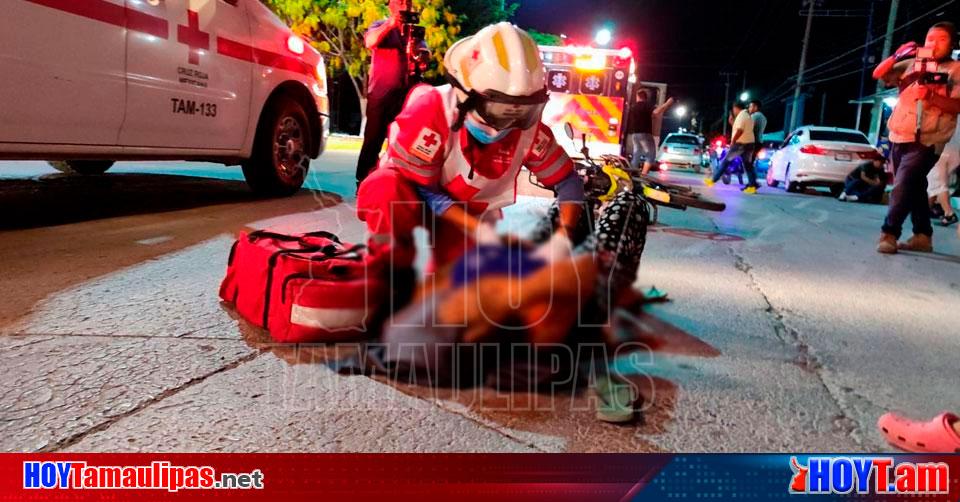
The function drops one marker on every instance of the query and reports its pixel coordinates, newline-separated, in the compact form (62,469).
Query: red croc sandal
(935,436)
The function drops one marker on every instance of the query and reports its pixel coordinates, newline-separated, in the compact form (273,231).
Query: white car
(681,150)
(88,82)
(819,156)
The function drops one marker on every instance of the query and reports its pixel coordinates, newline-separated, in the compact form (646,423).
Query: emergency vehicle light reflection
(295,44)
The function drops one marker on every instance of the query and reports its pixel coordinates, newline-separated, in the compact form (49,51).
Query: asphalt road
(786,331)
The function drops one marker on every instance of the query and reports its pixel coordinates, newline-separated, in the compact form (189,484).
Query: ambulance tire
(280,159)
(83,167)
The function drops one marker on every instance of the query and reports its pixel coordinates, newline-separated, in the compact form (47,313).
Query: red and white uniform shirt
(423,148)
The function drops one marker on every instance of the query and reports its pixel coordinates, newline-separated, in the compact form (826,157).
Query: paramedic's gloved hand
(559,247)
(486,235)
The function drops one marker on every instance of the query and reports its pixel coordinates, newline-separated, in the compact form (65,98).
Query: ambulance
(590,88)
(90,82)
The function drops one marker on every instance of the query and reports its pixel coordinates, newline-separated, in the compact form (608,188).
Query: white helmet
(501,75)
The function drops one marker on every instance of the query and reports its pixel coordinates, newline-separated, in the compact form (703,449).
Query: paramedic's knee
(389,203)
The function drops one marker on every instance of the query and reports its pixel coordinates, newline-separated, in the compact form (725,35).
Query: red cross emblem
(430,140)
(193,37)
(476,55)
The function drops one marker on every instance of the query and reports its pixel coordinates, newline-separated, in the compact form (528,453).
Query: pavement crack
(804,358)
(102,426)
(503,431)
(94,335)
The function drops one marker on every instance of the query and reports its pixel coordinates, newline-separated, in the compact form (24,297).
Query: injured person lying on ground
(505,294)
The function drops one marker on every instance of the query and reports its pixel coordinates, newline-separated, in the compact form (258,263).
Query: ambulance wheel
(84,167)
(281,158)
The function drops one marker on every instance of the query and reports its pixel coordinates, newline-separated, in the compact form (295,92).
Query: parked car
(91,82)
(681,150)
(819,156)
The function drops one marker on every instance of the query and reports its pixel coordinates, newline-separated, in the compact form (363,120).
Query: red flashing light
(813,150)
(625,53)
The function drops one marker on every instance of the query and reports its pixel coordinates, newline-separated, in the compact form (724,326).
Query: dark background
(688,43)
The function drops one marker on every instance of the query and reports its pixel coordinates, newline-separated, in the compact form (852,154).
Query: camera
(926,66)
(412,34)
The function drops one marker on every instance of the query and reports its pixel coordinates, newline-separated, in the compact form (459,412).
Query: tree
(545,38)
(336,29)
(480,13)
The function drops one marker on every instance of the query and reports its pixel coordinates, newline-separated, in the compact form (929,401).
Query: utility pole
(823,108)
(726,99)
(866,61)
(876,115)
(803,64)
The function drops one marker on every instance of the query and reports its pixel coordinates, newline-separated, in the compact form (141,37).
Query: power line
(835,77)
(855,49)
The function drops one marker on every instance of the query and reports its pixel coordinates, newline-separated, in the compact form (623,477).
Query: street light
(744,96)
(680,112)
(603,37)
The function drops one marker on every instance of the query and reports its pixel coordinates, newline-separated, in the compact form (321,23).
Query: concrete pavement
(786,331)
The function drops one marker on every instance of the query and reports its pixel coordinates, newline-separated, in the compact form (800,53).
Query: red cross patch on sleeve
(427,144)
(540,145)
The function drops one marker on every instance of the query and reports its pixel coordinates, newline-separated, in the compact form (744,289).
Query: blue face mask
(484,133)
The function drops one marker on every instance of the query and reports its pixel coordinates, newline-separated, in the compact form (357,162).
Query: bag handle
(266,234)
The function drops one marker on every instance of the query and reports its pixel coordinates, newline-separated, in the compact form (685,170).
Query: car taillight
(762,155)
(812,150)
(871,155)
(665,149)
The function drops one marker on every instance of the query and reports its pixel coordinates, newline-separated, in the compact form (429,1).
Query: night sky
(687,43)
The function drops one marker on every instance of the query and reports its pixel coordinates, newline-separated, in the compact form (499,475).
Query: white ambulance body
(93,81)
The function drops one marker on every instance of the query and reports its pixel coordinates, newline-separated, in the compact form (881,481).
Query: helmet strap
(464,106)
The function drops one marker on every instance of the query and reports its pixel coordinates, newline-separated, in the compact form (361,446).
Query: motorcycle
(613,175)
(719,152)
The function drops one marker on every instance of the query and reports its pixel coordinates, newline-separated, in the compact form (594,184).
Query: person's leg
(748,166)
(851,187)
(381,111)
(904,155)
(391,208)
(633,143)
(735,151)
(649,148)
(916,179)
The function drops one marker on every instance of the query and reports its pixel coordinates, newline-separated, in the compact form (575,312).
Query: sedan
(681,150)
(819,156)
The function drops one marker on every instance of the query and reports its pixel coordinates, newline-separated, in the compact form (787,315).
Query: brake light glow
(591,62)
(871,155)
(295,44)
(762,155)
(625,53)
(813,150)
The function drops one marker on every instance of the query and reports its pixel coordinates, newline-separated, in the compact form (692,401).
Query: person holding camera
(921,124)
(387,84)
